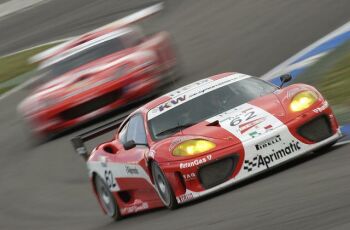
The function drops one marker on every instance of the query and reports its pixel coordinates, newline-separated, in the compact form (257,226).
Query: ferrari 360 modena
(98,72)
(202,138)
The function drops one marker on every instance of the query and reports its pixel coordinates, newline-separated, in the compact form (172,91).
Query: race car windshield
(208,105)
(84,57)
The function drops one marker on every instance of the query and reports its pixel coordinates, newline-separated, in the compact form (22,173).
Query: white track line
(275,71)
(33,47)
(13,6)
(32,80)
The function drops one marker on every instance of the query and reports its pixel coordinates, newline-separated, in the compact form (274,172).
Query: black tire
(163,187)
(106,198)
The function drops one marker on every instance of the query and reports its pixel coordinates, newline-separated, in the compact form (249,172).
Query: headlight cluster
(303,100)
(193,147)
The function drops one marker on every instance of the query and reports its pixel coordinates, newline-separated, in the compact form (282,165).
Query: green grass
(17,64)
(331,75)
(3,90)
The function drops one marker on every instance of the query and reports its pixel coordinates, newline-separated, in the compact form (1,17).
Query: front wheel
(164,190)
(106,198)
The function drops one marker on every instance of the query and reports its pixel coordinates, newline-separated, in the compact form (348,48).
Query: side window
(122,133)
(136,130)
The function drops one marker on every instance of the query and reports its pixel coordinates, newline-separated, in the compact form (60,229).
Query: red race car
(97,72)
(202,138)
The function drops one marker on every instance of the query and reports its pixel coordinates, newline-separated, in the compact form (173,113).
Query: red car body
(140,169)
(96,73)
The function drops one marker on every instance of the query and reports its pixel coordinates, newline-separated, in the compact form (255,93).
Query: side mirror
(129,145)
(285,78)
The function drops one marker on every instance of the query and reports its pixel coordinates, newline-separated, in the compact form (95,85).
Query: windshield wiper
(175,128)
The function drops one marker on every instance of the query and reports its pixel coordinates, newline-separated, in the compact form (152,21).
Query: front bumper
(233,164)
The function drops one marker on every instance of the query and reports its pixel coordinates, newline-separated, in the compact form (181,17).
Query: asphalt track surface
(45,186)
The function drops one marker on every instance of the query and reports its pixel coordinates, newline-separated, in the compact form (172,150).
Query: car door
(135,175)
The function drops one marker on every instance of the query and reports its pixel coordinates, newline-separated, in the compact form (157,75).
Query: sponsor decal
(185,197)
(195,162)
(254,134)
(268,142)
(188,87)
(170,103)
(135,208)
(212,87)
(131,170)
(191,91)
(320,109)
(247,121)
(274,156)
(189,176)
(251,124)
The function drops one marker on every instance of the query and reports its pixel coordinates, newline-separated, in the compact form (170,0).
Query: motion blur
(98,72)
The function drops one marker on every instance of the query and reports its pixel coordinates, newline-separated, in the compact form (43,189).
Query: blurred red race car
(97,72)
(202,138)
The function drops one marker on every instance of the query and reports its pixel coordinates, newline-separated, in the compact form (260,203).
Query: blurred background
(43,184)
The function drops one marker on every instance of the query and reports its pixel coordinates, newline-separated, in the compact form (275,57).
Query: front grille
(90,106)
(218,172)
(317,129)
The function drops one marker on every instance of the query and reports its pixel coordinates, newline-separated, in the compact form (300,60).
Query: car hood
(233,127)
(83,73)
(243,122)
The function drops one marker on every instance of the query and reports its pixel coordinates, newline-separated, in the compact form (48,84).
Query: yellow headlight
(303,101)
(193,147)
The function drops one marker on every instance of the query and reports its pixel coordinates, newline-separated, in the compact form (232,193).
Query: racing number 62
(246,117)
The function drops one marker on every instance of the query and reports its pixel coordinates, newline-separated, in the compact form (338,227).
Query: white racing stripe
(13,6)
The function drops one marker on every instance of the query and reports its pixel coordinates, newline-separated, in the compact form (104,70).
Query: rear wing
(128,20)
(79,141)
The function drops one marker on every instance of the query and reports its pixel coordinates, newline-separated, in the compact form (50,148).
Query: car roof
(198,87)
(86,45)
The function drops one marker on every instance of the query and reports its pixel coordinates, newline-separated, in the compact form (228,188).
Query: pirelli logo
(269,142)
(266,160)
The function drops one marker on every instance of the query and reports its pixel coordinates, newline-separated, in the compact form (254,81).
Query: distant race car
(202,138)
(97,72)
